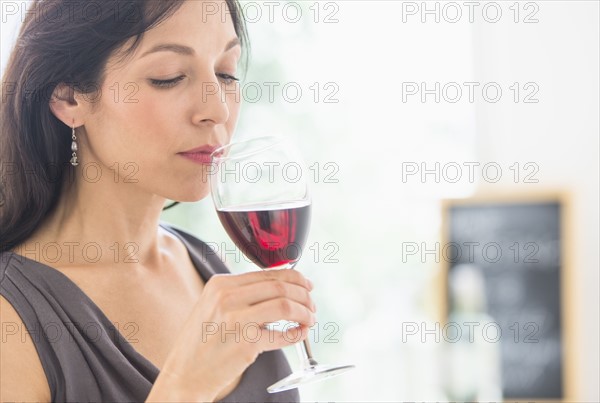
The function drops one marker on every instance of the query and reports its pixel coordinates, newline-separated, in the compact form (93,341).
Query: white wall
(560,134)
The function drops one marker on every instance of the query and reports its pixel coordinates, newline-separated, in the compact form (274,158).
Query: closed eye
(227,78)
(166,83)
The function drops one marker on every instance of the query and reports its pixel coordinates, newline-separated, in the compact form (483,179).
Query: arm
(22,377)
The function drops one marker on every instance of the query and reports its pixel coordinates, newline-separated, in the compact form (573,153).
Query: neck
(107,221)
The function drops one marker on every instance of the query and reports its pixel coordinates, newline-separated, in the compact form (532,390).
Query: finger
(277,309)
(254,293)
(287,275)
(274,340)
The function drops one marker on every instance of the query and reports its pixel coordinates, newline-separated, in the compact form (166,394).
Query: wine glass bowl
(264,207)
(260,191)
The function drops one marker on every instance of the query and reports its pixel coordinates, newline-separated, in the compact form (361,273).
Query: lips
(205,149)
(200,154)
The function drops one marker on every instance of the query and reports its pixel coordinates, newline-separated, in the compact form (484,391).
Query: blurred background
(428,124)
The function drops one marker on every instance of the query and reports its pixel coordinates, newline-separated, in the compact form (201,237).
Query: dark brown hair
(60,41)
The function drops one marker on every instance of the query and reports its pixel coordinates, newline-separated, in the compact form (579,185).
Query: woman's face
(176,93)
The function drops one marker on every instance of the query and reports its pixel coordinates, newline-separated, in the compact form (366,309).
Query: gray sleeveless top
(84,355)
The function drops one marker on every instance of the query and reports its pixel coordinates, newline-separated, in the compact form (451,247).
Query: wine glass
(260,191)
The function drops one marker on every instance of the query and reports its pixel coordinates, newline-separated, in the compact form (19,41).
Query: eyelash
(227,79)
(166,83)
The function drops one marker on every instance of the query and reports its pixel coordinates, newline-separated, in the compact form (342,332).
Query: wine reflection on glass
(260,191)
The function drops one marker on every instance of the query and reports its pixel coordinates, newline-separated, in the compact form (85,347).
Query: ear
(67,106)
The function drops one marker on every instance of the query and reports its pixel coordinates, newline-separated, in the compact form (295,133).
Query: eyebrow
(184,50)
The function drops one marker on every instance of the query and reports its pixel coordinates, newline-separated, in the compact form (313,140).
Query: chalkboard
(518,247)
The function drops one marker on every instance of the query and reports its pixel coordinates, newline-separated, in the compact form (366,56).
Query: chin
(191,197)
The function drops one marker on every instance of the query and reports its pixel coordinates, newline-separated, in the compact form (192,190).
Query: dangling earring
(74,147)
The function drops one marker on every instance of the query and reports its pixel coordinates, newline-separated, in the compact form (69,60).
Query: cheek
(234,113)
(140,122)
(132,131)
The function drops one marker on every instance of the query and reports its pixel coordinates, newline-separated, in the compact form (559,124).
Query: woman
(99,301)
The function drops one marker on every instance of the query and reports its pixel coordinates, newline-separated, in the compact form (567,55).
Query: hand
(225,332)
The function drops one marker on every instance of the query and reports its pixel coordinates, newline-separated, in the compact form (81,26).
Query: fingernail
(310,284)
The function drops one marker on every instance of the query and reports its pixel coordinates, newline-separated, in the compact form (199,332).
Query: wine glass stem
(305,354)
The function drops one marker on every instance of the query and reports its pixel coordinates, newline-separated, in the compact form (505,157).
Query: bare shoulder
(170,241)
(22,377)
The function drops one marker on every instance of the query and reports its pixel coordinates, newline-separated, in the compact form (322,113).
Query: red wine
(270,236)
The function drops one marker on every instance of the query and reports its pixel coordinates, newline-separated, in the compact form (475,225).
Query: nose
(211,107)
